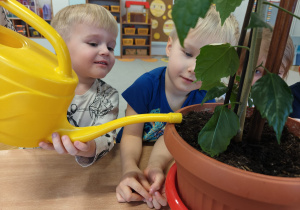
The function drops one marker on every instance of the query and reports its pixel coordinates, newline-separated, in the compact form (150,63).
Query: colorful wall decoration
(161,17)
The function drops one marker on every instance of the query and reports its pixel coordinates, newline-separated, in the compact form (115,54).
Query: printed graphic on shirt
(101,104)
(153,130)
(98,108)
(73,109)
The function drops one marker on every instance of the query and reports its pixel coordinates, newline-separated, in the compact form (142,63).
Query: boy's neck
(175,99)
(83,87)
(175,103)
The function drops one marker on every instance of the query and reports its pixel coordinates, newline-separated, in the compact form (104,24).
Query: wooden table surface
(40,179)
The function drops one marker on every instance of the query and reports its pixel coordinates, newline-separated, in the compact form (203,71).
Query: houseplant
(214,139)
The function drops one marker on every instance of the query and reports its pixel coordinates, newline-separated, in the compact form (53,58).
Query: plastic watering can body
(36,88)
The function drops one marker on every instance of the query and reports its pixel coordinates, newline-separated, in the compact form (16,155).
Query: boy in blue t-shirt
(164,90)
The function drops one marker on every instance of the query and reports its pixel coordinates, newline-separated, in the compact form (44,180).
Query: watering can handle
(64,62)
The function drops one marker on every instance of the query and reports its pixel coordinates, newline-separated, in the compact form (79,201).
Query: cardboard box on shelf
(130,51)
(141,52)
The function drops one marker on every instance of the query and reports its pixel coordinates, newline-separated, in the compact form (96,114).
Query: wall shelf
(136,51)
(45,12)
(111,5)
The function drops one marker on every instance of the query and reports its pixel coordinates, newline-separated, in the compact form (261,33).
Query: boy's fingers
(120,199)
(156,204)
(140,190)
(160,199)
(57,144)
(125,194)
(68,145)
(144,182)
(157,183)
(82,146)
(46,146)
(149,204)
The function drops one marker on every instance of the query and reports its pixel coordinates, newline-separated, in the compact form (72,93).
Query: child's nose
(192,67)
(103,49)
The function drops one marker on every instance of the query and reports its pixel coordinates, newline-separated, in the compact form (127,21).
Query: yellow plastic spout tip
(175,117)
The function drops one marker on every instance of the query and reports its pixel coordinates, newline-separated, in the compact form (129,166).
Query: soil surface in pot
(264,157)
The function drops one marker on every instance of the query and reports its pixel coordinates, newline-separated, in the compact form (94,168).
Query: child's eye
(111,49)
(257,71)
(93,44)
(188,54)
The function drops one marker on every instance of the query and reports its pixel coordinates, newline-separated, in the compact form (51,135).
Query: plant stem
(240,43)
(247,48)
(252,63)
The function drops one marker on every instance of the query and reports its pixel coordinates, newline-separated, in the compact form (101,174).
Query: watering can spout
(32,135)
(85,134)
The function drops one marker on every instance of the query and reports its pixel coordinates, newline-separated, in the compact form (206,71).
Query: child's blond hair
(210,28)
(288,56)
(91,14)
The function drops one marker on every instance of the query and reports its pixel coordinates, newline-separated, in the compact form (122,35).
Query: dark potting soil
(264,157)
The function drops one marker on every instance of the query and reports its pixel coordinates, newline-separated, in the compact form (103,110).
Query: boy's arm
(159,160)
(132,177)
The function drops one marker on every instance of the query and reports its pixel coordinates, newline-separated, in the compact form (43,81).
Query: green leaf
(215,92)
(186,13)
(273,98)
(215,137)
(226,7)
(215,62)
(256,21)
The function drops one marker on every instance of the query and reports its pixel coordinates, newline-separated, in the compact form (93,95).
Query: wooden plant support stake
(277,46)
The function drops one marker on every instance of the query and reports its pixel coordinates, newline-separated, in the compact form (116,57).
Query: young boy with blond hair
(164,90)
(90,33)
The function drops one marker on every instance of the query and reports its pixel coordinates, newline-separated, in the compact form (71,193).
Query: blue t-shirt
(147,95)
(295,88)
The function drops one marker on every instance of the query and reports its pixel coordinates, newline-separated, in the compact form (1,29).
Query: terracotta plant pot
(205,183)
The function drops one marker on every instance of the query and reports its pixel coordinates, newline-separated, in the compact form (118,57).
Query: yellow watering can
(36,88)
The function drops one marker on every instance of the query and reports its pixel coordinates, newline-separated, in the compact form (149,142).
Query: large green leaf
(215,92)
(256,21)
(273,98)
(186,13)
(226,7)
(215,62)
(215,137)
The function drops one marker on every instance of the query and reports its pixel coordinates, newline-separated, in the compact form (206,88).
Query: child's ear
(169,46)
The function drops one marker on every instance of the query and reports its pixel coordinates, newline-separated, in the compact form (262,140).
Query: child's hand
(65,145)
(133,187)
(160,199)
(156,177)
